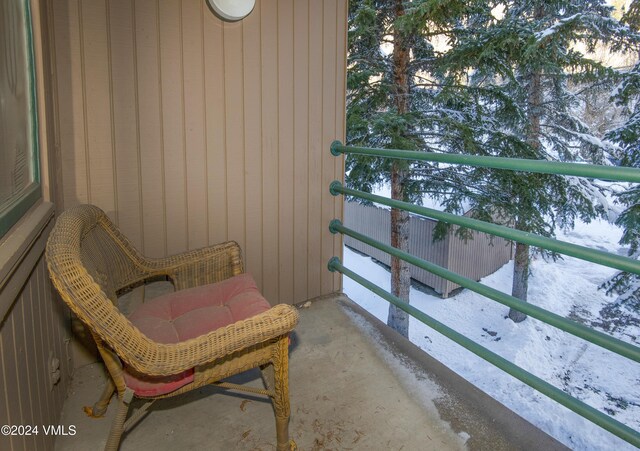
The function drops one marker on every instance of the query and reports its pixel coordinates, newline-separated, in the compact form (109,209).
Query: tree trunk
(521,259)
(520,279)
(400,276)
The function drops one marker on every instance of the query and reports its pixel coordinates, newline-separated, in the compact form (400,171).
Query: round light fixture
(232,10)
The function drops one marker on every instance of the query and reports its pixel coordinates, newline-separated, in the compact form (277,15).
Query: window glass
(19,178)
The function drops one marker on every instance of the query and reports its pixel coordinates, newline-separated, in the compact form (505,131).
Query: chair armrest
(200,266)
(157,359)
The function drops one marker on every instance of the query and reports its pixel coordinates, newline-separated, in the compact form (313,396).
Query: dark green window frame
(15,208)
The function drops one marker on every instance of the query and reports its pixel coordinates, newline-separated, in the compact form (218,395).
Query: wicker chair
(91,262)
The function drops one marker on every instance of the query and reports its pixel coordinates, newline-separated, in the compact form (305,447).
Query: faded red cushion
(188,314)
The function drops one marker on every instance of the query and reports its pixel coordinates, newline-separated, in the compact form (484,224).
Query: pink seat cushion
(188,314)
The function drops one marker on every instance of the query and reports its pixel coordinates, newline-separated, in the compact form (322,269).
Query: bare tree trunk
(400,276)
(520,280)
(521,259)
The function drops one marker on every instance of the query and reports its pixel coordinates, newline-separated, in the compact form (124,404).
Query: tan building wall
(34,333)
(34,324)
(189,131)
(473,258)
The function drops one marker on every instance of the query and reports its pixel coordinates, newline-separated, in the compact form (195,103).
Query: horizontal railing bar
(618,173)
(593,336)
(584,253)
(615,427)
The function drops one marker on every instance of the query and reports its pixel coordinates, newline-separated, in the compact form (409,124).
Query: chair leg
(124,400)
(100,407)
(282,432)
(281,398)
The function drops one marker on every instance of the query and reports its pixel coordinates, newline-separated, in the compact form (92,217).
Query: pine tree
(508,83)
(627,94)
(390,104)
(526,70)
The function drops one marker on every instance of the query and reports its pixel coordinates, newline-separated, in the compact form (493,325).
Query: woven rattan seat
(91,262)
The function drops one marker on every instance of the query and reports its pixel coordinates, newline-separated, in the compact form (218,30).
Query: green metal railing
(618,173)
(614,261)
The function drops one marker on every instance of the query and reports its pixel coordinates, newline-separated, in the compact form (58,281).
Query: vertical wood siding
(474,258)
(34,324)
(34,330)
(189,131)
(477,258)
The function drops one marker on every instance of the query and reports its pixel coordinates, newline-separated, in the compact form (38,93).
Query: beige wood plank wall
(34,326)
(189,131)
(34,331)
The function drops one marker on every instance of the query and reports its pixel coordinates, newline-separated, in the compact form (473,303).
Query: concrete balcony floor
(354,385)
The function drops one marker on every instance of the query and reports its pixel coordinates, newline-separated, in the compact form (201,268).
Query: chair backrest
(89,260)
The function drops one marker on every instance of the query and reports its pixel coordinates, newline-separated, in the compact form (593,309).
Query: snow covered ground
(568,287)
